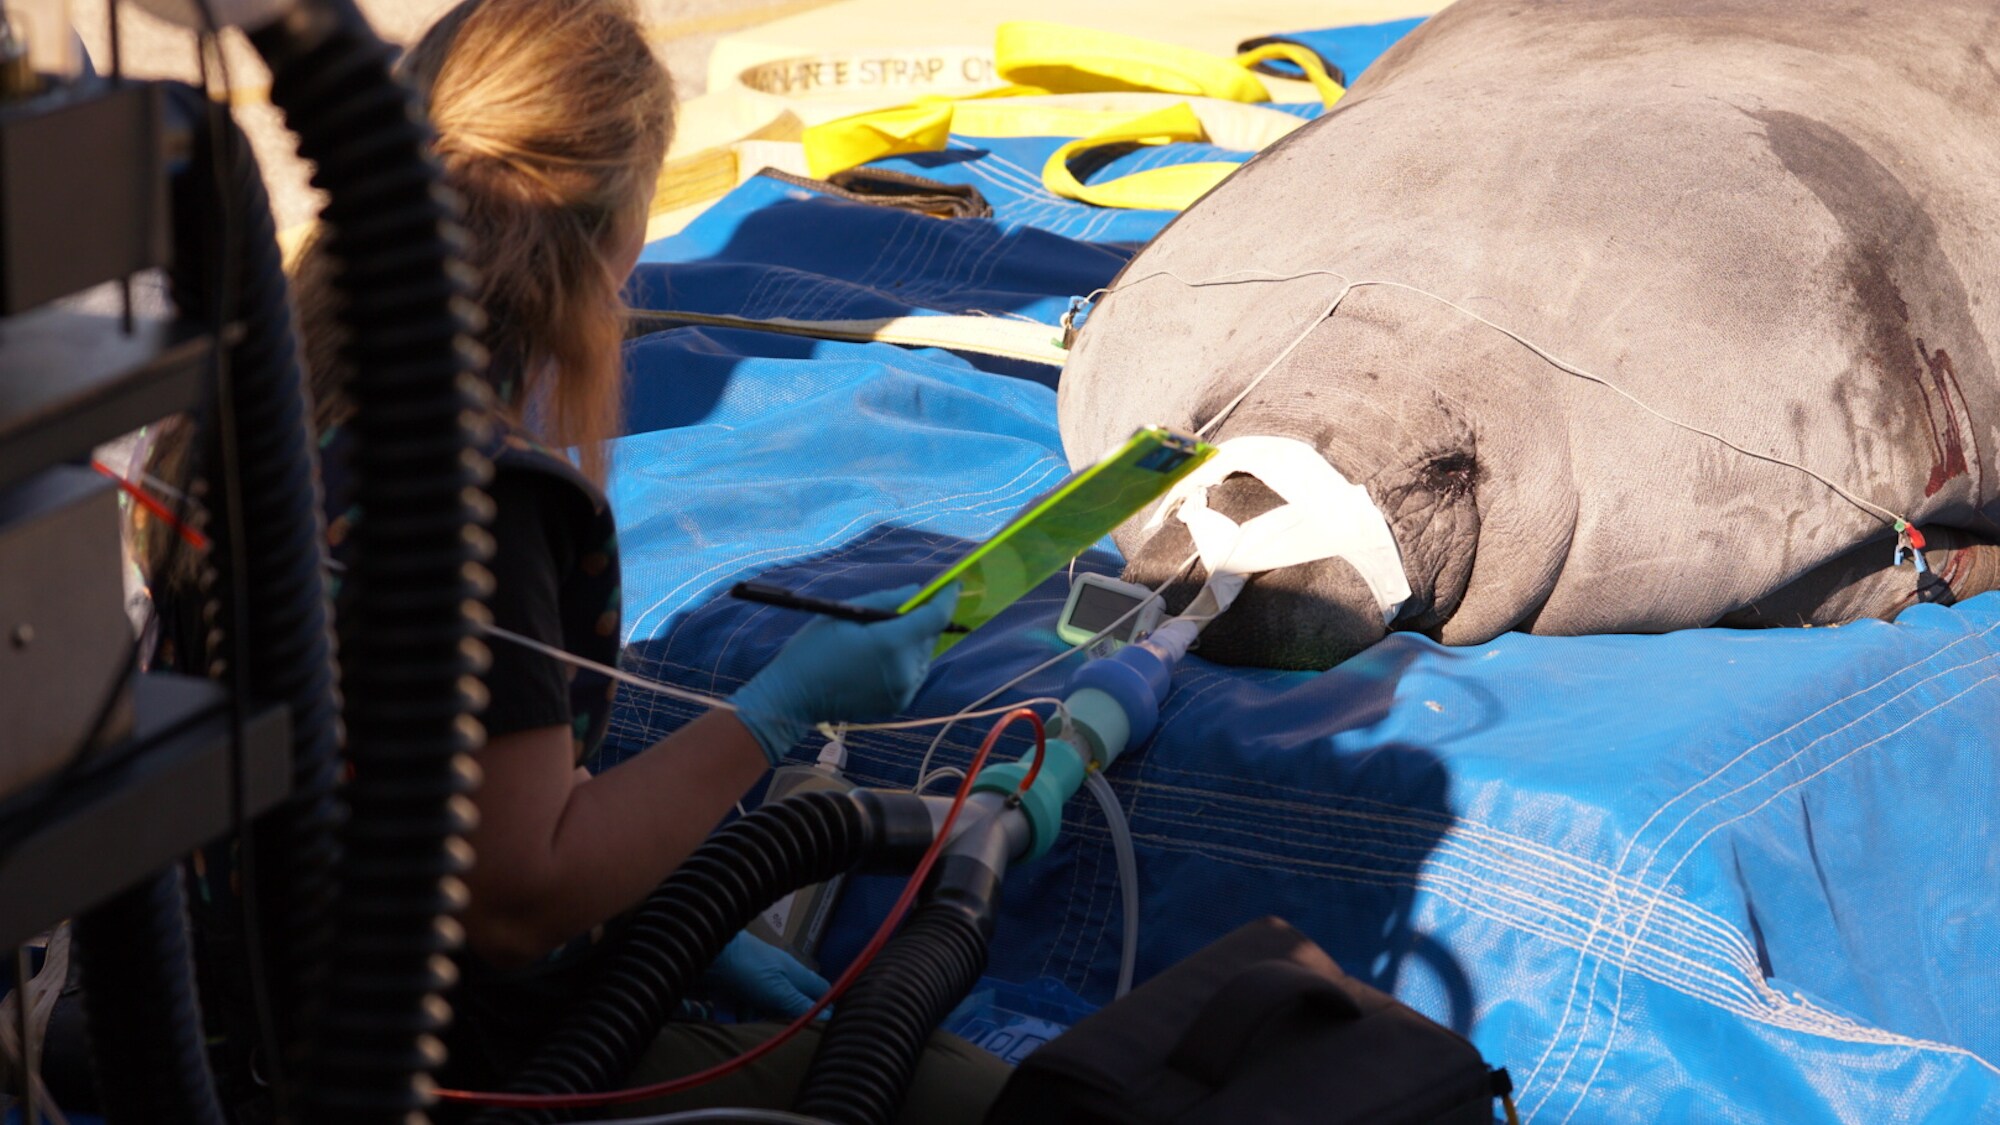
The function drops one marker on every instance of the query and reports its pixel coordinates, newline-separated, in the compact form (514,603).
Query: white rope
(931,778)
(671,691)
(1242,277)
(715,703)
(920,724)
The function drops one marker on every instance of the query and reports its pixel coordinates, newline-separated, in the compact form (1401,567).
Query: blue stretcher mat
(1709,876)
(1706,876)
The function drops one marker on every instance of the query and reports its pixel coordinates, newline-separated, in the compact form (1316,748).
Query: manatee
(1660,316)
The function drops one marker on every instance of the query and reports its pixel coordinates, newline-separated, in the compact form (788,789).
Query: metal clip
(1078,306)
(1910,547)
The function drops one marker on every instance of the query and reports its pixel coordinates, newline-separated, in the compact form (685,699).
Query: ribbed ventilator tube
(682,927)
(870,1051)
(139,1004)
(408,652)
(288,649)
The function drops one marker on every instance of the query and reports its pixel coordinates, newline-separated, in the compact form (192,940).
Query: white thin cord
(1158,591)
(675,692)
(1233,277)
(829,729)
(1207,429)
(1128,876)
(669,690)
(938,774)
(1240,277)
(1564,365)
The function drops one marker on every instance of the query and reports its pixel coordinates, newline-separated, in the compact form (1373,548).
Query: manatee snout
(1309,616)
(1464,456)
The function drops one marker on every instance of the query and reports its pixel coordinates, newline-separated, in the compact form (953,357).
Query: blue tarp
(1714,876)
(1706,876)
(777,249)
(771,249)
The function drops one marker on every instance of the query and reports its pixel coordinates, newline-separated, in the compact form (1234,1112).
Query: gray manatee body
(1776,221)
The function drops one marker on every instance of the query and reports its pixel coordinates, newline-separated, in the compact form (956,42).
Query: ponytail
(553,118)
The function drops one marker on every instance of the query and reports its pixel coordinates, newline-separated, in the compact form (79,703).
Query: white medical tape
(1324,516)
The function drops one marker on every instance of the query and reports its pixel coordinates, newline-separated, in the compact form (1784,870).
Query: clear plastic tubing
(1128,874)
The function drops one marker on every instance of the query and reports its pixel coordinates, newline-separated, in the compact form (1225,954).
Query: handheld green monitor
(1063,523)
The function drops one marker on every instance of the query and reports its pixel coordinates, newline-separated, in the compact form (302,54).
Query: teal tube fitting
(1096,732)
(1101,723)
(1061,776)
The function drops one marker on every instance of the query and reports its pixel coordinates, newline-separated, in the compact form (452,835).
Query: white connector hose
(1128,876)
(924,773)
(1171,641)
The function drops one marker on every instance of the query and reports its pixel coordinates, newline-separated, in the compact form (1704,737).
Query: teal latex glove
(844,671)
(758,975)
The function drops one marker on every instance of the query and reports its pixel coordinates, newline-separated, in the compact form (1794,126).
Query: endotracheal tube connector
(1110,704)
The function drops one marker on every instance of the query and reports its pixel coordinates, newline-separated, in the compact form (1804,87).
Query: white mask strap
(1324,516)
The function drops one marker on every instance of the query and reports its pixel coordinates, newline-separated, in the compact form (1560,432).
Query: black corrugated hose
(143,1018)
(869,1052)
(408,653)
(139,1004)
(285,632)
(673,936)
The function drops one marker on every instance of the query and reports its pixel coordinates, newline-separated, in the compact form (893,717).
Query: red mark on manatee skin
(1939,378)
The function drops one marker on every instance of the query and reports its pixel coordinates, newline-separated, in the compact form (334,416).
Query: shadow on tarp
(685,391)
(1213,850)
(773,250)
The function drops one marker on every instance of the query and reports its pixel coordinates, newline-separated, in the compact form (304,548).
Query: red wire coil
(840,986)
(1041,746)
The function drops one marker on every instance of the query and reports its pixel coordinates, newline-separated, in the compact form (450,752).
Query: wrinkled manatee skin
(1774,221)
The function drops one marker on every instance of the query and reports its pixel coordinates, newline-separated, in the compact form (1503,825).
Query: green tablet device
(1063,523)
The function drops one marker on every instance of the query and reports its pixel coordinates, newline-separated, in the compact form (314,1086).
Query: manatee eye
(1453,474)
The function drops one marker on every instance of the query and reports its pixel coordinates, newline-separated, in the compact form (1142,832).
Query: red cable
(868,952)
(1041,746)
(153,507)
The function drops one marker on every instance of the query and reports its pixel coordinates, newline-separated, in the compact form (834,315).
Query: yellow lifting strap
(1074,60)
(1043,58)
(1305,59)
(849,142)
(1171,188)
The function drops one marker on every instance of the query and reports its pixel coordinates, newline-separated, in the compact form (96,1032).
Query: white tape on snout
(1324,516)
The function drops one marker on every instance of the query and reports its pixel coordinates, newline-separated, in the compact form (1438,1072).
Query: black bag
(1260,1027)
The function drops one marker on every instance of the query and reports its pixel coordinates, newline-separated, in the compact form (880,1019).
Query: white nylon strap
(1324,516)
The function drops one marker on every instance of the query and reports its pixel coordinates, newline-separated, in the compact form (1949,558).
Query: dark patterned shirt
(556,580)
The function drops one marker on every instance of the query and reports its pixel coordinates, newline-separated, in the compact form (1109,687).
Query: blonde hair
(552,118)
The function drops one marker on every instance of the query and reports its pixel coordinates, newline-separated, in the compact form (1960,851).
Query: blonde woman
(552,120)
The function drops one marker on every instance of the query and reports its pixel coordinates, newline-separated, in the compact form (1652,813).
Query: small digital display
(1063,523)
(1098,606)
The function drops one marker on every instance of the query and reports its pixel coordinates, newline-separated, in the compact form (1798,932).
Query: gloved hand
(758,975)
(844,671)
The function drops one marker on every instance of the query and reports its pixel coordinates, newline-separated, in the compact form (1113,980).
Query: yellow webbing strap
(1306,59)
(1041,58)
(1074,60)
(849,142)
(1171,188)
